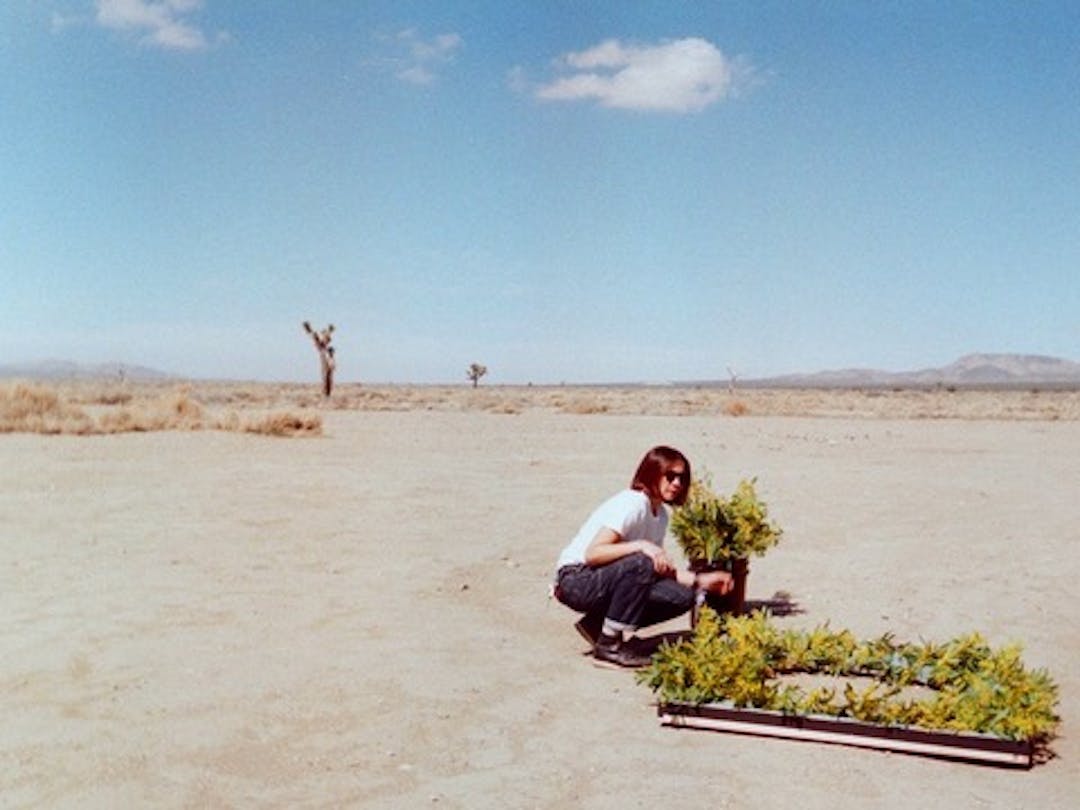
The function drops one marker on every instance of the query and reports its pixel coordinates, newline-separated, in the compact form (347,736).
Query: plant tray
(977,748)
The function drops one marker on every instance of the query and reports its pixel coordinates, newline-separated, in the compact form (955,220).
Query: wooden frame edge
(968,747)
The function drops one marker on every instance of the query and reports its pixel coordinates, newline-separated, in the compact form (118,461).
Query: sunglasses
(673,476)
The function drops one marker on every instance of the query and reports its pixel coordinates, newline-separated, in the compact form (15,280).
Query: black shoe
(612,652)
(589,626)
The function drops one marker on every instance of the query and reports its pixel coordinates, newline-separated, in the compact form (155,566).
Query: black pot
(734,601)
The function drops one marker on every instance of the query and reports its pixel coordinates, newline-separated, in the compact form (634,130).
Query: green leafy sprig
(974,688)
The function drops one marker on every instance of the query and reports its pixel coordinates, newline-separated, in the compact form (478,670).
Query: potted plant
(718,533)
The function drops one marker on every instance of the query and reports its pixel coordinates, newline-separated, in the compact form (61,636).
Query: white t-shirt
(627,513)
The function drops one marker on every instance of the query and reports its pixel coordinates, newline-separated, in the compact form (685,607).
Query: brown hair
(652,468)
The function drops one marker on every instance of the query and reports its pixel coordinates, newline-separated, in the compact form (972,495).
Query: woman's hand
(718,582)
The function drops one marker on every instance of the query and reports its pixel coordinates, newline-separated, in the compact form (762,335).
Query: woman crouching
(616,571)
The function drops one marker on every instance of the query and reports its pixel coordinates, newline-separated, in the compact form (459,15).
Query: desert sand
(361,619)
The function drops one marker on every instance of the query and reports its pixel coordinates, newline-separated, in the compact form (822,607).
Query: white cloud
(424,56)
(158,23)
(684,75)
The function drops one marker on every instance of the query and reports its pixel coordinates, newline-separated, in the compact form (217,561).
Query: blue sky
(563,191)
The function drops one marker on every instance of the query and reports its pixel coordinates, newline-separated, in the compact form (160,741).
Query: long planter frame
(983,749)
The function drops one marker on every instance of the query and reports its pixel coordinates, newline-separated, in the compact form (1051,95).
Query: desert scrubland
(244,595)
(107,407)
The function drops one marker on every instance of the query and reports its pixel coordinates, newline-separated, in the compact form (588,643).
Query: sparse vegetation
(475,372)
(40,409)
(584,407)
(95,397)
(285,424)
(36,409)
(327,363)
(736,407)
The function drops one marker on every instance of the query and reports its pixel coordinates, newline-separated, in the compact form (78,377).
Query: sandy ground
(222,620)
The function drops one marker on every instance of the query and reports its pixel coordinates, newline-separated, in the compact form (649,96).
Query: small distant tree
(326,354)
(475,372)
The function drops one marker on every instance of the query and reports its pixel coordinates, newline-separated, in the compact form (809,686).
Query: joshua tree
(475,372)
(326,354)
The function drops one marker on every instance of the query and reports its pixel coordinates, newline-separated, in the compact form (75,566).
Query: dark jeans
(628,591)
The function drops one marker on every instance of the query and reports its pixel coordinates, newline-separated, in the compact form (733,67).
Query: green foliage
(712,529)
(739,659)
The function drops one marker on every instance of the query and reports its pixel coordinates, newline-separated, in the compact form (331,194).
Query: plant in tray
(713,531)
(966,686)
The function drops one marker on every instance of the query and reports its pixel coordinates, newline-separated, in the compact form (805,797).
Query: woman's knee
(639,567)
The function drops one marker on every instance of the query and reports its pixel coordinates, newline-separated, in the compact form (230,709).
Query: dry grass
(78,410)
(285,424)
(583,407)
(736,408)
(269,408)
(35,409)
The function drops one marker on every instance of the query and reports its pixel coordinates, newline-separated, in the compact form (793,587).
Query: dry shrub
(113,398)
(36,409)
(120,421)
(181,410)
(172,411)
(583,407)
(41,409)
(381,400)
(229,422)
(736,408)
(24,401)
(285,424)
(99,393)
(245,396)
(504,407)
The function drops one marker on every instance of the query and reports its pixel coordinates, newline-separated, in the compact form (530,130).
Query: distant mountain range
(65,370)
(970,371)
